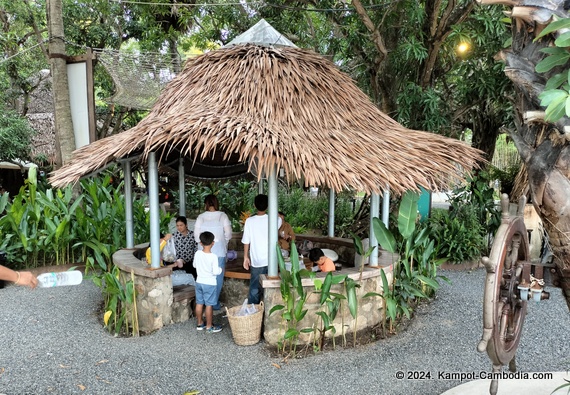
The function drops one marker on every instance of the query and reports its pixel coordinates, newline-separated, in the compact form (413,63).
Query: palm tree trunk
(65,139)
(543,146)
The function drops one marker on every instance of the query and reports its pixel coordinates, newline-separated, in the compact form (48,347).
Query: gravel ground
(51,342)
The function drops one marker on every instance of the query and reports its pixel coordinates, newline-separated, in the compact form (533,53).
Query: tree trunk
(543,147)
(65,139)
(486,129)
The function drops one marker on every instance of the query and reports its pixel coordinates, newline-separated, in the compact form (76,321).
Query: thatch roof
(284,107)
(43,142)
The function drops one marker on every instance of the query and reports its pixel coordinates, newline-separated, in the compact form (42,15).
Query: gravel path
(51,342)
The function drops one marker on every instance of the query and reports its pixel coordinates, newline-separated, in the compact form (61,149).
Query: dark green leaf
(408,214)
(291,332)
(276,308)
(326,288)
(552,61)
(553,26)
(383,235)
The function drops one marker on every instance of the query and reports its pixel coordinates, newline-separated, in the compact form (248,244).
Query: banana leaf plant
(415,272)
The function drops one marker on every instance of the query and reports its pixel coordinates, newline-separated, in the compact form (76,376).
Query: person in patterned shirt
(185,245)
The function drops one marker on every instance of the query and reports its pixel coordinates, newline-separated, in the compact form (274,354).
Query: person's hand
(167,236)
(179,263)
(27,279)
(246,263)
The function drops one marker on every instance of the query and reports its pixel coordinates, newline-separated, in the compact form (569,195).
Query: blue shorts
(206,294)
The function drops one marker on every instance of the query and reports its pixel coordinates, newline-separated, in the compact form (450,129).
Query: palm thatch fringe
(288,108)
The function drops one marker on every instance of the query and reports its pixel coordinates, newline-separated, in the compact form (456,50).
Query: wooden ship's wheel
(504,309)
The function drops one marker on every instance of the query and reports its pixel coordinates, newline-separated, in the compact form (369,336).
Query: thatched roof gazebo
(284,107)
(265,107)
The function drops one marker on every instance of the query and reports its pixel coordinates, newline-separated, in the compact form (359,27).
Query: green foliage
(458,234)
(15,136)
(43,227)
(294,297)
(479,193)
(330,304)
(307,212)
(556,95)
(234,197)
(22,58)
(505,177)
(415,272)
(464,232)
(118,298)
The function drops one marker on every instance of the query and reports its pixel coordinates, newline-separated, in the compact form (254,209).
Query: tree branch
(37,31)
(376,37)
(451,16)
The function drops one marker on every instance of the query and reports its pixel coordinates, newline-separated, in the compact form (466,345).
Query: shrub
(306,212)
(458,234)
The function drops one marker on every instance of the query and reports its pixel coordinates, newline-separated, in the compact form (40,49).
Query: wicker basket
(246,330)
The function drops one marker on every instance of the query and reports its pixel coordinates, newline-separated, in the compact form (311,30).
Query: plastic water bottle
(72,277)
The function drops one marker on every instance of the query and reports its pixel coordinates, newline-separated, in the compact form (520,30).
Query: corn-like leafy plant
(294,297)
(331,303)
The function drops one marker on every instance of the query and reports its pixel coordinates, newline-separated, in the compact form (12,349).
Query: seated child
(325,264)
(207,268)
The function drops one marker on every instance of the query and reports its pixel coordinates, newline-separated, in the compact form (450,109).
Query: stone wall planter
(370,310)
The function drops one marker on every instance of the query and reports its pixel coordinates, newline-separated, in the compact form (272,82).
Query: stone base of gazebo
(158,303)
(370,310)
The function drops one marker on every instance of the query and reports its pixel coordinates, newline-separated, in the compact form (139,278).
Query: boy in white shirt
(255,241)
(206,264)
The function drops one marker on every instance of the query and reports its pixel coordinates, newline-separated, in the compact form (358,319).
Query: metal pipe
(386,207)
(181,188)
(374,212)
(273,215)
(154,210)
(129,204)
(331,212)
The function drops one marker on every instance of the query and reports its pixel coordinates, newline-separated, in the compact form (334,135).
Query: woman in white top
(217,222)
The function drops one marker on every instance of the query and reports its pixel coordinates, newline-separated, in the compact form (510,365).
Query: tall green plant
(294,297)
(415,272)
(479,193)
(331,305)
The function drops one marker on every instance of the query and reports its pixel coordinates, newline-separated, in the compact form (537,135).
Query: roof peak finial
(262,33)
